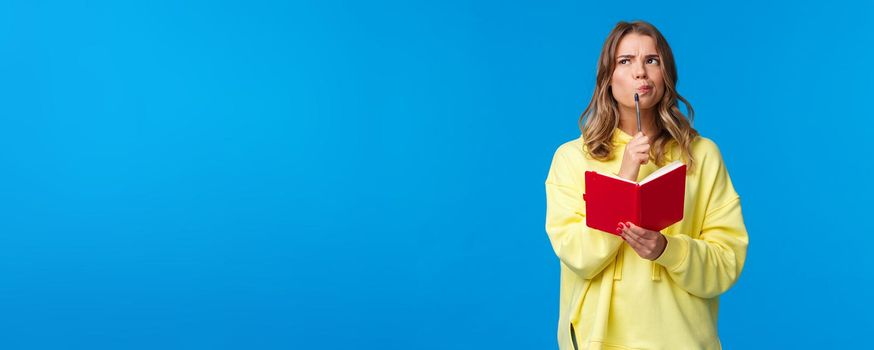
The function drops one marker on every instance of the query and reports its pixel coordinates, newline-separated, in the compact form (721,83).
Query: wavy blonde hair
(601,117)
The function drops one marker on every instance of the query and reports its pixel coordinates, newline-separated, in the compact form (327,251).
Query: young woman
(637,288)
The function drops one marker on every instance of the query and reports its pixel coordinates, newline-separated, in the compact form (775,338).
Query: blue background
(327,175)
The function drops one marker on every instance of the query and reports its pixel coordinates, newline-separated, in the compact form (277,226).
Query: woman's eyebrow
(632,56)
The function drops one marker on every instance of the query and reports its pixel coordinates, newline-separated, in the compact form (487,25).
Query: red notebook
(654,203)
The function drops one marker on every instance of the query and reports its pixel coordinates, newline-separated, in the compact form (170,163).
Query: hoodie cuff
(675,252)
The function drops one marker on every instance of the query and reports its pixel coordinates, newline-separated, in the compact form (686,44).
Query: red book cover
(654,203)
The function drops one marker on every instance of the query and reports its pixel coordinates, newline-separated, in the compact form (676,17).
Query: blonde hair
(601,117)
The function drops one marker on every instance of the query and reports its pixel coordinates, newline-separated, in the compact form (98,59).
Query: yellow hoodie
(610,297)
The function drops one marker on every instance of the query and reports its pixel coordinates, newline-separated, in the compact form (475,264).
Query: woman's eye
(653,61)
(623,61)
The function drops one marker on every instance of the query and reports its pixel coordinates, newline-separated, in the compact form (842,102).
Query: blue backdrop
(336,175)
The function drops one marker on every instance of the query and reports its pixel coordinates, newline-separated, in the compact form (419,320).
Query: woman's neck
(628,121)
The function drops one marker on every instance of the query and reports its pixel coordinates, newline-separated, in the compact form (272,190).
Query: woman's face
(638,69)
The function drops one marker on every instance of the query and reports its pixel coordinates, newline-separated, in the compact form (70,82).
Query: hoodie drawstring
(617,269)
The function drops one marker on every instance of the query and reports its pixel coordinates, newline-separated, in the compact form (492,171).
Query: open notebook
(654,203)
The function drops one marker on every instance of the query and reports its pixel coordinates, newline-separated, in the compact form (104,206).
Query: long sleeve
(584,250)
(710,264)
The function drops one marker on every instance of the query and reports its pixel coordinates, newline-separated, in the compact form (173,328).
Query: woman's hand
(648,244)
(636,154)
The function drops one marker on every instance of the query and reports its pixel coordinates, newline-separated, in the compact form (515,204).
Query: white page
(617,177)
(664,170)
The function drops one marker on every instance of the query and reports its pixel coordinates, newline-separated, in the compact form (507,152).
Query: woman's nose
(639,71)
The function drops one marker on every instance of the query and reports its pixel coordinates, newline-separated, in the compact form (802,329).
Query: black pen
(637,107)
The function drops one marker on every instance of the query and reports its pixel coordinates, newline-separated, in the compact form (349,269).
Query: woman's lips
(643,90)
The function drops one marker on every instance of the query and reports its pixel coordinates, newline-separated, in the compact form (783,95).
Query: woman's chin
(647,102)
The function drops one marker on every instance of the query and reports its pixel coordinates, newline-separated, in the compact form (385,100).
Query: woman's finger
(641,232)
(639,247)
(650,234)
(631,236)
(631,242)
(643,248)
